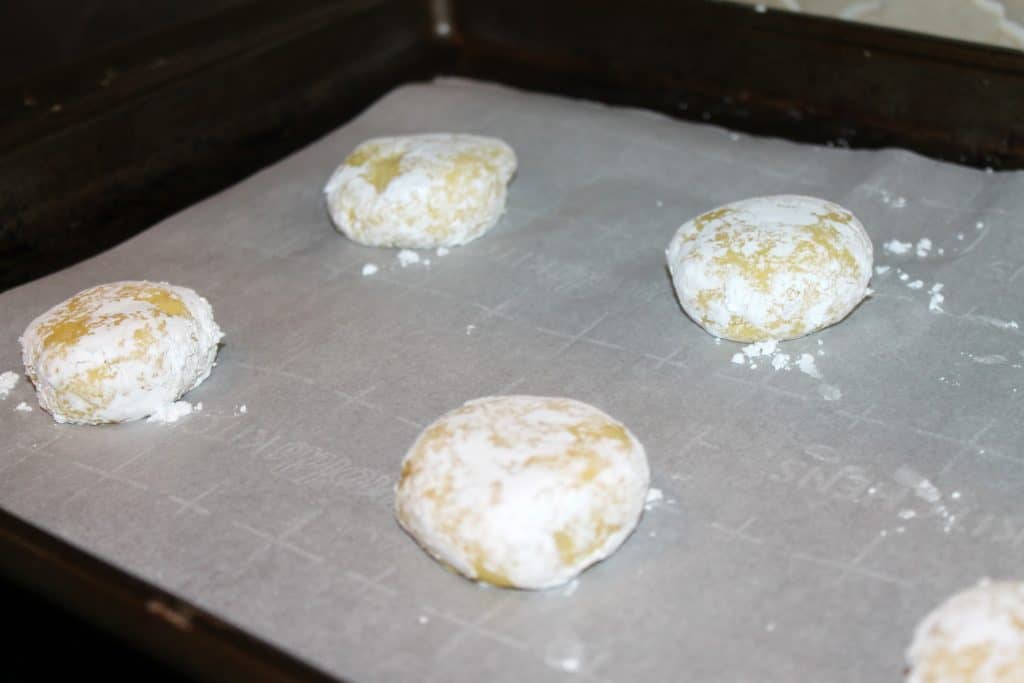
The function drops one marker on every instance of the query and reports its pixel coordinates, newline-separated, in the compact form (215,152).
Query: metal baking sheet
(799,538)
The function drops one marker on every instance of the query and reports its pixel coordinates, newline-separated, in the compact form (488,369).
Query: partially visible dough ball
(522,491)
(120,351)
(771,267)
(976,636)
(421,191)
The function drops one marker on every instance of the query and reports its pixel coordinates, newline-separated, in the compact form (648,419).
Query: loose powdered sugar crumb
(653,496)
(442,251)
(935,304)
(808,367)
(829,392)
(407,257)
(881,270)
(916,284)
(7,382)
(23,407)
(370,269)
(171,412)
(739,359)
(897,247)
(765,348)
(924,245)
(780,361)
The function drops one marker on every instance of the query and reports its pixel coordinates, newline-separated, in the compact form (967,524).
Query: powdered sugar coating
(522,491)
(976,636)
(120,351)
(421,191)
(771,267)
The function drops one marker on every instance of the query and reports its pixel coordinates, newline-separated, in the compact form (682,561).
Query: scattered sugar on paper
(780,361)
(423,619)
(407,257)
(924,246)
(171,413)
(897,247)
(442,251)
(7,382)
(653,496)
(907,514)
(904,277)
(370,269)
(23,407)
(738,358)
(994,359)
(881,270)
(916,284)
(895,201)
(980,225)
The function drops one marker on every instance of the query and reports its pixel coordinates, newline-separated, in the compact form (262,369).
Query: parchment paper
(799,538)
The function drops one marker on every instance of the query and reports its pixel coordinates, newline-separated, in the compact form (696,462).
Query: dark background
(39,35)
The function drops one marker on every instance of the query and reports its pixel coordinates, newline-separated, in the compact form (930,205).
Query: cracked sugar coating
(976,636)
(421,191)
(771,267)
(522,491)
(120,351)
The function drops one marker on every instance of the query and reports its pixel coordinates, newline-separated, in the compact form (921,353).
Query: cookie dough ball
(421,191)
(522,491)
(771,267)
(120,351)
(976,636)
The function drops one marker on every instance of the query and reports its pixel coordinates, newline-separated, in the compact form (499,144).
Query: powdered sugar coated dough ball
(522,491)
(976,636)
(120,351)
(421,191)
(771,267)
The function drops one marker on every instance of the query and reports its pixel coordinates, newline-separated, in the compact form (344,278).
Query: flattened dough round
(770,267)
(976,636)
(120,351)
(421,191)
(522,491)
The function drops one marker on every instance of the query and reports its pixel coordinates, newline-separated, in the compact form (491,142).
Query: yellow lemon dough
(421,191)
(120,351)
(976,636)
(522,491)
(770,267)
